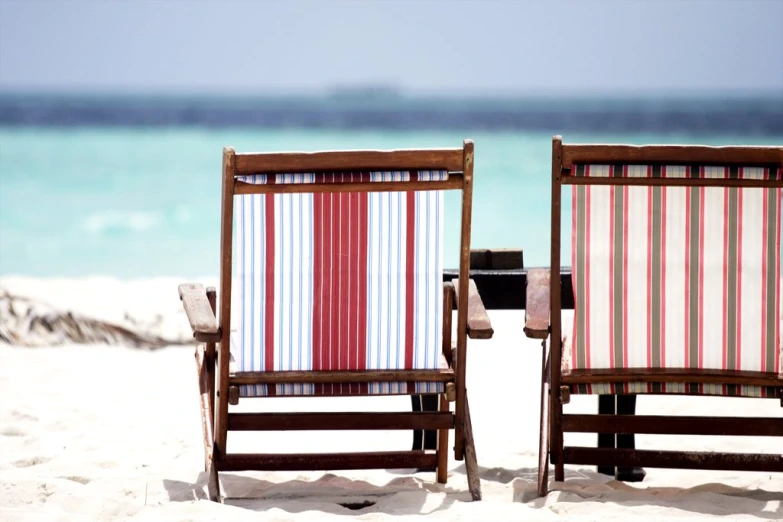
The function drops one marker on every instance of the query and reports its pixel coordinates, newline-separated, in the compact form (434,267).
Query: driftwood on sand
(27,322)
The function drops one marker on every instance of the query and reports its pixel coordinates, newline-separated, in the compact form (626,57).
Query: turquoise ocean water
(136,201)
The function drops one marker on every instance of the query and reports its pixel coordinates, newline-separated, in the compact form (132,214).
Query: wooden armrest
(202,318)
(479,326)
(537,307)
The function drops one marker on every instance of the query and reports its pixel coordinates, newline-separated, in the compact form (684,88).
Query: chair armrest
(202,318)
(479,326)
(537,307)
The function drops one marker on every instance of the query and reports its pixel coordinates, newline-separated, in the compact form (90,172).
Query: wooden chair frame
(543,320)
(210,321)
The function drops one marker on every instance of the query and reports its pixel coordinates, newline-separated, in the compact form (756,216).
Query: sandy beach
(96,432)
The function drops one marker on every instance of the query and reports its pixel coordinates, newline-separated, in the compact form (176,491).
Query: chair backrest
(339,258)
(676,277)
(340,280)
(676,264)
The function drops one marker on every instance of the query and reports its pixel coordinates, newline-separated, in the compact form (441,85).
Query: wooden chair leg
(207,418)
(425,439)
(213,484)
(607,406)
(626,405)
(443,446)
(471,463)
(543,441)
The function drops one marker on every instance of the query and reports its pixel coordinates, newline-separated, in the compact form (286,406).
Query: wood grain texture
(671,154)
(461,295)
(537,303)
(224,317)
(676,375)
(350,160)
(679,425)
(330,461)
(479,326)
(342,376)
(197,308)
(340,421)
(674,459)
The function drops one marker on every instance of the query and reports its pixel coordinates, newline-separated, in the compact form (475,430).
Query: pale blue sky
(432,46)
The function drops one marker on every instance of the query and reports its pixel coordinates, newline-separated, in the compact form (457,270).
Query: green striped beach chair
(676,279)
(338,290)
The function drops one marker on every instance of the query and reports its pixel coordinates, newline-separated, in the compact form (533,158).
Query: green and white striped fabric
(676,277)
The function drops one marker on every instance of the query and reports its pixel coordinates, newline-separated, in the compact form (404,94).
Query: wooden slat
(685,375)
(537,304)
(671,154)
(496,259)
(479,326)
(671,182)
(355,160)
(454,182)
(674,459)
(200,315)
(663,425)
(555,407)
(224,316)
(342,376)
(333,461)
(339,421)
(461,295)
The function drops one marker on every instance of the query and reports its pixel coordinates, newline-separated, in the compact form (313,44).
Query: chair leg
(471,463)
(425,439)
(543,440)
(556,428)
(213,484)
(607,406)
(626,405)
(418,435)
(443,446)
(207,418)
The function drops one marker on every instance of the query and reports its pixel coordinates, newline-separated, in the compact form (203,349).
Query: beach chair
(340,292)
(676,282)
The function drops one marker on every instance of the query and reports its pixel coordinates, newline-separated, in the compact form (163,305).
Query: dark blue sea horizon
(747,115)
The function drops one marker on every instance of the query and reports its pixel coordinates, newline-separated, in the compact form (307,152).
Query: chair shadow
(585,485)
(333,494)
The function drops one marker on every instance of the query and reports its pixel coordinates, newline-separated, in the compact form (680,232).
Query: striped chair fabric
(675,277)
(340,281)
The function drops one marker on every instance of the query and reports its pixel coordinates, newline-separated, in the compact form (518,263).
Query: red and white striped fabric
(676,277)
(339,281)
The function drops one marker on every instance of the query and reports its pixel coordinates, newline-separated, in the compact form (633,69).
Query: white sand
(107,433)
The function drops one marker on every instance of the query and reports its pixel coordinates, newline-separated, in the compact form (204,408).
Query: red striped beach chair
(676,279)
(339,291)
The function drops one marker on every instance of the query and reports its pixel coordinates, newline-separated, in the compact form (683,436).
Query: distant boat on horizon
(365,93)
